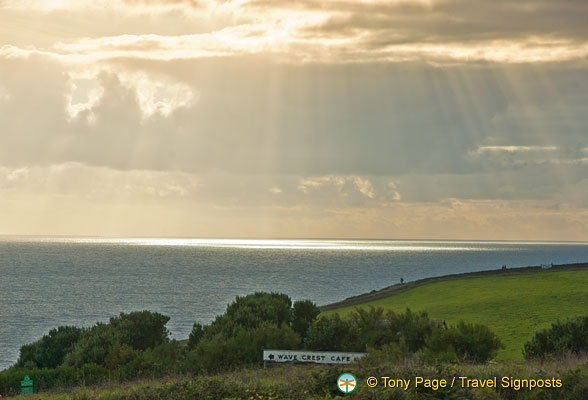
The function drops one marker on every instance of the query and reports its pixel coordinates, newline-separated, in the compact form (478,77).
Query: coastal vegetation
(313,382)
(137,345)
(564,337)
(514,305)
(133,357)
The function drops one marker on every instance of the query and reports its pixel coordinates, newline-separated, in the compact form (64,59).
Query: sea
(46,282)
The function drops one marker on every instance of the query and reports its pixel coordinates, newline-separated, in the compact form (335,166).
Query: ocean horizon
(47,282)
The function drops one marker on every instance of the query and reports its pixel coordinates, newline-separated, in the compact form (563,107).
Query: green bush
(250,312)
(244,348)
(368,328)
(93,346)
(328,333)
(50,350)
(196,335)
(91,374)
(304,313)
(167,357)
(120,355)
(469,342)
(250,324)
(45,378)
(413,328)
(137,344)
(10,381)
(371,328)
(141,329)
(103,344)
(563,337)
(392,352)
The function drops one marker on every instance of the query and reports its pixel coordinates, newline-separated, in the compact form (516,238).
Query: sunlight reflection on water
(48,282)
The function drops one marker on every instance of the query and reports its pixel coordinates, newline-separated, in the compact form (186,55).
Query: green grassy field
(513,306)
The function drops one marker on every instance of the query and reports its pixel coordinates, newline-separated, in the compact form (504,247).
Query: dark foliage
(248,312)
(371,328)
(196,335)
(137,344)
(244,348)
(464,342)
(50,350)
(141,329)
(304,313)
(563,337)
(328,333)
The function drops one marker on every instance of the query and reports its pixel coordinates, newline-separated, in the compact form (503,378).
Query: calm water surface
(48,282)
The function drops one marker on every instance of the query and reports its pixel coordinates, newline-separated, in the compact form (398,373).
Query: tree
(51,349)
(250,312)
(470,342)
(196,335)
(304,313)
(328,333)
(562,337)
(244,348)
(93,346)
(413,327)
(141,329)
(138,330)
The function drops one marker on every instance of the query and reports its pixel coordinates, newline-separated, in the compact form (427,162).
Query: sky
(440,119)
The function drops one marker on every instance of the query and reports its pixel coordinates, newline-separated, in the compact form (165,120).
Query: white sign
(317,357)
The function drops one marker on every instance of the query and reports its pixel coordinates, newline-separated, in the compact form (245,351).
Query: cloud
(165,3)
(255,115)
(280,43)
(4,94)
(73,198)
(445,20)
(333,116)
(514,149)
(352,189)
(439,32)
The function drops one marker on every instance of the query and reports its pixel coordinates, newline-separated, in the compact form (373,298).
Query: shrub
(250,324)
(328,333)
(304,313)
(60,377)
(250,312)
(372,328)
(93,346)
(141,329)
(166,357)
(391,352)
(469,342)
(196,335)
(120,355)
(569,336)
(244,348)
(50,350)
(413,328)
(91,374)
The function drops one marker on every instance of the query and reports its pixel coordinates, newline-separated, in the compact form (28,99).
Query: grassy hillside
(513,305)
